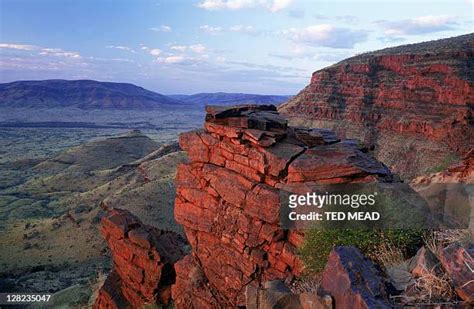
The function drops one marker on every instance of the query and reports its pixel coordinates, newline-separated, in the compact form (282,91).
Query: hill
(222,98)
(84,94)
(412,101)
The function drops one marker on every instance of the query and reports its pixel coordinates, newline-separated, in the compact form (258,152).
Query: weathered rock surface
(413,102)
(353,281)
(459,264)
(276,295)
(144,259)
(424,262)
(229,205)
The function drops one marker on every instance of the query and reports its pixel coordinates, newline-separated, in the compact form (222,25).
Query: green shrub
(444,164)
(318,243)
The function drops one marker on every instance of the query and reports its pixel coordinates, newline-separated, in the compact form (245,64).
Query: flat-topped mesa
(227,198)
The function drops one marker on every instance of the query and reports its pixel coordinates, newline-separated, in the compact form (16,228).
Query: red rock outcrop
(143,258)
(353,281)
(459,264)
(413,102)
(229,205)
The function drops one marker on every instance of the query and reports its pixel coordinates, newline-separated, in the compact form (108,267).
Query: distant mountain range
(223,98)
(90,94)
(85,94)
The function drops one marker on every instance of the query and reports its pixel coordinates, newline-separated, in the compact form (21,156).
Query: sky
(260,46)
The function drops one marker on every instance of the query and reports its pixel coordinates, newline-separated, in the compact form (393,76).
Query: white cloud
(244,29)
(226,4)
(250,30)
(174,59)
(121,48)
(43,51)
(210,29)
(19,46)
(162,28)
(155,51)
(197,48)
(271,5)
(181,48)
(326,35)
(182,60)
(418,25)
(278,5)
(59,53)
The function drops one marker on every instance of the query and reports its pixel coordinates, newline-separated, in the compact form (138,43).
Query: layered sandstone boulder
(143,258)
(412,102)
(228,199)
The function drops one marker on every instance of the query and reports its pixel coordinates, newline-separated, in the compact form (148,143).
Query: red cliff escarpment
(413,102)
(228,199)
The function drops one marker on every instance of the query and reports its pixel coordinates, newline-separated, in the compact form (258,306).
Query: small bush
(444,164)
(318,243)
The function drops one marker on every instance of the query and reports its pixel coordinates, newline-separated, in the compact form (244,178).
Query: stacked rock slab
(143,257)
(228,198)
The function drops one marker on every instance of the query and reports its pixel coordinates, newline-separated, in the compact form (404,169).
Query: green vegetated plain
(52,184)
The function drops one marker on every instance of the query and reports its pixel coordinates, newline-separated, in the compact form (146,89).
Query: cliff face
(414,102)
(228,202)
(228,199)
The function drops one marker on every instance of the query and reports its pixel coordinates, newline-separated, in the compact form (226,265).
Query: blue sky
(261,46)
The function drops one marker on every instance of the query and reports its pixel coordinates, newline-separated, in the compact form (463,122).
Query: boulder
(340,162)
(423,262)
(276,295)
(459,264)
(353,281)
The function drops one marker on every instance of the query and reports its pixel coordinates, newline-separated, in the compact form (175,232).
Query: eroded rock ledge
(144,259)
(228,198)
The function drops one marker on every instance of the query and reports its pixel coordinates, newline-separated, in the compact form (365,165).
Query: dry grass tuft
(388,255)
(438,240)
(434,286)
(307,284)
